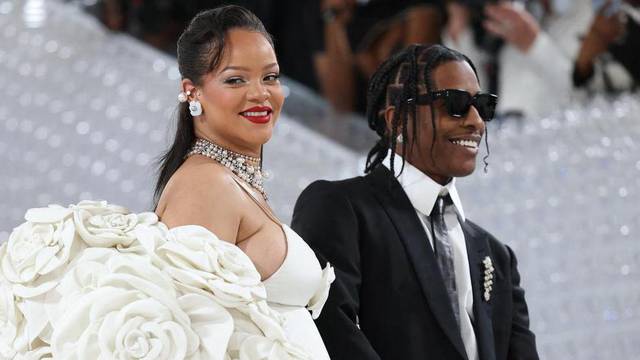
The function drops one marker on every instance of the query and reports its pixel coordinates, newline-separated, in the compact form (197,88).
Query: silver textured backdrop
(85,112)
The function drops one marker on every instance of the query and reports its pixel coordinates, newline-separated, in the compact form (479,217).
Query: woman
(212,274)
(231,99)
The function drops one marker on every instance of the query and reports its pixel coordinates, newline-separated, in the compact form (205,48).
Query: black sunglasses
(458,102)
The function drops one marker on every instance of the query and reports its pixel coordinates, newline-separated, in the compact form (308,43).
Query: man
(414,278)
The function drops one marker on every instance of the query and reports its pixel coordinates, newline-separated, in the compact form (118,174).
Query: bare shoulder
(202,193)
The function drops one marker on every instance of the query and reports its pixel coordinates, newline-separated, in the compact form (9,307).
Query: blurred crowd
(535,54)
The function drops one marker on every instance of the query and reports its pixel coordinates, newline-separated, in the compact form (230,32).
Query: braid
(484,159)
(377,91)
(412,91)
(395,82)
(376,103)
(430,63)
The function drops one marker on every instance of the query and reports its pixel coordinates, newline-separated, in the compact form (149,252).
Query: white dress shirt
(423,192)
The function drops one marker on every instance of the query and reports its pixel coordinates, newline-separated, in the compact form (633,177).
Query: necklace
(245,167)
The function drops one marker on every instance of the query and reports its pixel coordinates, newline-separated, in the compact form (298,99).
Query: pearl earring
(399,139)
(183,96)
(195,108)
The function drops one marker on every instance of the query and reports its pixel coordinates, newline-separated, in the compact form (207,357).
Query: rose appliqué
(103,225)
(122,307)
(37,249)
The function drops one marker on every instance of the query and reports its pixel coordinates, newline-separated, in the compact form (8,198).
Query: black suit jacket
(389,300)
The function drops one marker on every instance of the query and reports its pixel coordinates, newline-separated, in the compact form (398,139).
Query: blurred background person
(358,36)
(550,45)
(524,50)
(609,56)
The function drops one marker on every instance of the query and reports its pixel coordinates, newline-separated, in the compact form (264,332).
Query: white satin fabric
(297,287)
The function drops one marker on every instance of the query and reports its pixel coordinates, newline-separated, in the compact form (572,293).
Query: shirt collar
(421,190)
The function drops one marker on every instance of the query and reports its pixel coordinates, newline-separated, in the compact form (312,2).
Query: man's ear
(389,113)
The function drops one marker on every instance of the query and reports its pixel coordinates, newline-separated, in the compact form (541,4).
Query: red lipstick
(258,114)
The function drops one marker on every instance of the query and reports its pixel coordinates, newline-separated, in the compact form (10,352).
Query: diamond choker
(245,167)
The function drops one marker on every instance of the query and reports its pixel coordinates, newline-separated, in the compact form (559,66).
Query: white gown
(94,281)
(297,283)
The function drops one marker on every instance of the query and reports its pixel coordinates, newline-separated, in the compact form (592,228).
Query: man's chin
(464,171)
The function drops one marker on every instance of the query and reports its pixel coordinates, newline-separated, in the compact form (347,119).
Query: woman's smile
(258,114)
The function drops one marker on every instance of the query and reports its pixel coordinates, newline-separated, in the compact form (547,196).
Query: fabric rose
(10,321)
(250,340)
(196,258)
(100,207)
(39,353)
(116,305)
(14,328)
(199,261)
(320,297)
(38,249)
(103,225)
(256,347)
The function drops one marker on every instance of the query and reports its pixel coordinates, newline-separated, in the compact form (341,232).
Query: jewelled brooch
(488,277)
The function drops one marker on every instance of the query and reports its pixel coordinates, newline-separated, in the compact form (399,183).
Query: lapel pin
(488,277)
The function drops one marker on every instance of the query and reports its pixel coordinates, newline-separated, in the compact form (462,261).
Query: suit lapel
(411,232)
(477,249)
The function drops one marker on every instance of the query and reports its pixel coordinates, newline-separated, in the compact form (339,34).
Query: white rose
(257,347)
(105,225)
(100,207)
(199,261)
(150,236)
(10,320)
(39,353)
(14,330)
(196,258)
(38,249)
(119,306)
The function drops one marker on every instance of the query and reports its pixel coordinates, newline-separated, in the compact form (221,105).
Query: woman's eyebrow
(244,68)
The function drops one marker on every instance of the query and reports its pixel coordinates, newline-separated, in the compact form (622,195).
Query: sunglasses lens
(457,103)
(486,105)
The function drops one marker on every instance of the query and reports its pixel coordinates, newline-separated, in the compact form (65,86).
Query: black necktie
(444,251)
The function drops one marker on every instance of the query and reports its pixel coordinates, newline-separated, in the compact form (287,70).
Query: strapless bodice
(300,281)
(300,285)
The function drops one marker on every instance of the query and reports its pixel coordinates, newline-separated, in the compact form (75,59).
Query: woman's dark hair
(397,82)
(200,50)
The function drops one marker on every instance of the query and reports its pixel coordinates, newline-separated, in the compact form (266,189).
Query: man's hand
(342,9)
(604,30)
(513,24)
(607,28)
